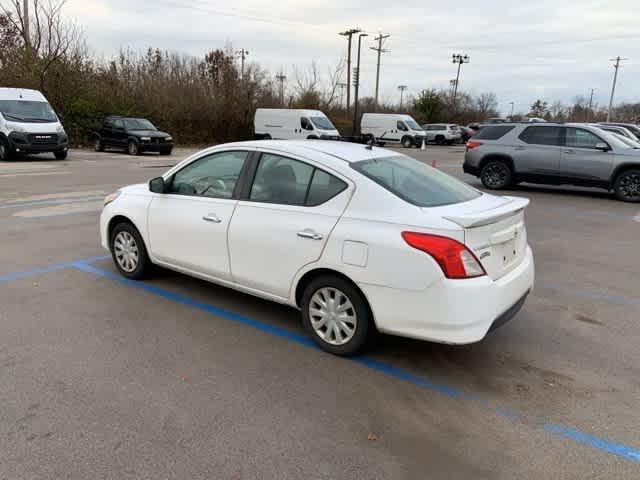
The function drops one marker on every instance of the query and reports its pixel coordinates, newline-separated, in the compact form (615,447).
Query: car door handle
(570,151)
(520,148)
(310,234)
(212,217)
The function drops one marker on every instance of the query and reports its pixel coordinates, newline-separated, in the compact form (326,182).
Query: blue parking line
(49,268)
(56,201)
(558,431)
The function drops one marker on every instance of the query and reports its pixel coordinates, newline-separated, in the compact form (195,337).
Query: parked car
(622,131)
(28,124)
(136,135)
(494,120)
(556,154)
(442,133)
(466,133)
(635,129)
(292,124)
(360,239)
(392,128)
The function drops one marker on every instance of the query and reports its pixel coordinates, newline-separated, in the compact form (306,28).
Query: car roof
(7,93)
(338,152)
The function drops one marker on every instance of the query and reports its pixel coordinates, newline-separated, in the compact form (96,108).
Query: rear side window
(493,132)
(541,135)
(323,188)
(415,182)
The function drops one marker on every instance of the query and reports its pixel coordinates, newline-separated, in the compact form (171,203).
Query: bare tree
(486,104)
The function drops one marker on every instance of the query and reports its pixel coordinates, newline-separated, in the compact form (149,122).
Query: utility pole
(356,84)
(459,59)
(380,38)
(402,89)
(342,86)
(349,33)
(25,15)
(243,55)
(589,114)
(281,77)
(615,80)
(512,107)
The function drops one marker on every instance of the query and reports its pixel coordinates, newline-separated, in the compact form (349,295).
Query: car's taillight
(456,260)
(471,144)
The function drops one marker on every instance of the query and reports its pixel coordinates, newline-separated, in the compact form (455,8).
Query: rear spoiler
(512,206)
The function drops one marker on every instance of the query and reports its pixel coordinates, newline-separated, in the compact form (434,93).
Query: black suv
(137,135)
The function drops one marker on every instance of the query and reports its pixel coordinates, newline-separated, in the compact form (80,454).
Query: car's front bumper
(37,142)
(452,311)
(155,146)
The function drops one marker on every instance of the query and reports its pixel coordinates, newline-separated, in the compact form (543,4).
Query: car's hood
(136,189)
(149,133)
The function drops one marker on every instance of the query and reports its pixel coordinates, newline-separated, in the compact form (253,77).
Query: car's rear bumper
(452,311)
(470,169)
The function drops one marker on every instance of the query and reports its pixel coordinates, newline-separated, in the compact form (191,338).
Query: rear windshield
(493,132)
(415,182)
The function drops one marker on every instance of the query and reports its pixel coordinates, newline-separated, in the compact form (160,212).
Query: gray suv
(555,154)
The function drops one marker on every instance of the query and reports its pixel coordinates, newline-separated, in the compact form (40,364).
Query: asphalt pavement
(175,378)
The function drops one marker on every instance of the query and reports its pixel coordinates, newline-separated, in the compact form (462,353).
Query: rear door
(283,222)
(539,151)
(581,159)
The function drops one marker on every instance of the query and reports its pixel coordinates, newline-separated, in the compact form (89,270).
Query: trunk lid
(494,230)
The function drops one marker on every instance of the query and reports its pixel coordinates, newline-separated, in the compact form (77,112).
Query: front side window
(118,124)
(401,126)
(305,123)
(413,125)
(542,135)
(415,182)
(322,123)
(214,176)
(138,124)
(27,111)
(580,138)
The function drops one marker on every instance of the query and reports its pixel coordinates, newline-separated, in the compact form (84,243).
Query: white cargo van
(392,128)
(291,124)
(28,124)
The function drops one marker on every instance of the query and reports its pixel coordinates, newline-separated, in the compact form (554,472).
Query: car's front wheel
(5,151)
(496,175)
(407,142)
(133,148)
(627,186)
(128,252)
(62,155)
(337,315)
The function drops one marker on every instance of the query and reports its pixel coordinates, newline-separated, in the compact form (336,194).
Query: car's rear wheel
(98,146)
(440,140)
(407,142)
(128,252)
(627,186)
(336,315)
(133,148)
(496,175)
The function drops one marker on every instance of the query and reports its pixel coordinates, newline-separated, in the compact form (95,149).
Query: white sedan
(360,239)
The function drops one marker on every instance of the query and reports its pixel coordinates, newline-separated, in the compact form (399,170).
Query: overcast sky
(550,49)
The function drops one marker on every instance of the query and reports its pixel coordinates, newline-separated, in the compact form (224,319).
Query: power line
(380,38)
(349,34)
(615,80)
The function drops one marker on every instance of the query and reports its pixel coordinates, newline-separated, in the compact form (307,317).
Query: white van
(291,124)
(392,128)
(28,124)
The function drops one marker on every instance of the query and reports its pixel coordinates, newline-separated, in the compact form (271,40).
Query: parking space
(177,378)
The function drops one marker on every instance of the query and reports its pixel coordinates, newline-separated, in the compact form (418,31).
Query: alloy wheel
(126,251)
(333,316)
(629,186)
(495,175)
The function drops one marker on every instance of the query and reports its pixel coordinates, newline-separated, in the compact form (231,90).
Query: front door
(581,159)
(284,223)
(188,224)
(540,151)
(119,133)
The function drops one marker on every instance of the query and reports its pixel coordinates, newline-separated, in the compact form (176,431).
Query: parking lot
(103,377)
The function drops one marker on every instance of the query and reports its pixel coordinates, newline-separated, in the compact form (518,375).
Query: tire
(407,142)
(61,155)
(5,151)
(440,140)
(166,152)
(98,146)
(359,316)
(496,175)
(267,137)
(129,252)
(381,144)
(626,186)
(133,148)
(312,137)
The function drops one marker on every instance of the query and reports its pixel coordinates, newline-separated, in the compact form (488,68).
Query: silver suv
(555,154)
(442,133)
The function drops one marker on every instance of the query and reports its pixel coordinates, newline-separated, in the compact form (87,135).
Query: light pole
(613,87)
(342,86)
(402,89)
(349,33)
(512,107)
(356,84)
(459,59)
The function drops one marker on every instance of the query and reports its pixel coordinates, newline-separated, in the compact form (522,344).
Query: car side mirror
(157,185)
(602,146)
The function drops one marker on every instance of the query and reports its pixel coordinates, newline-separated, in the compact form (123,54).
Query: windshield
(415,182)
(138,124)
(27,111)
(413,125)
(322,123)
